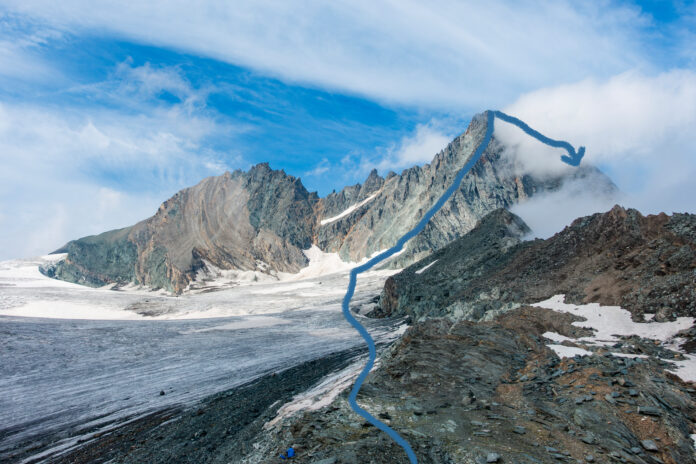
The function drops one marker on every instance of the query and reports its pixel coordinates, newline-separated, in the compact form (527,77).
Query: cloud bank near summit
(639,129)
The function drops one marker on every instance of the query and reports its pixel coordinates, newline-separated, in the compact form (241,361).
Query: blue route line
(573,158)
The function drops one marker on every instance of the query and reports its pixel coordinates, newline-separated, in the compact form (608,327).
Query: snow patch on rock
(320,264)
(556,337)
(322,394)
(569,351)
(348,210)
(425,268)
(611,322)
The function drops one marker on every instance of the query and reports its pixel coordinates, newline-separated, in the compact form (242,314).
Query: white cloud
(48,215)
(20,58)
(447,55)
(639,129)
(151,80)
(17,63)
(417,148)
(321,168)
(548,213)
(443,53)
(147,82)
(38,137)
(627,117)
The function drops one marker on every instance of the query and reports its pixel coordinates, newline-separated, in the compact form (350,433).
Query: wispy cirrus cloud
(320,169)
(21,41)
(443,53)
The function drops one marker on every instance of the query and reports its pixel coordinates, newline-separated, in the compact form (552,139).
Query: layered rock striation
(242,220)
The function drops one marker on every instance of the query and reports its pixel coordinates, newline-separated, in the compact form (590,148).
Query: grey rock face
(99,259)
(334,203)
(280,204)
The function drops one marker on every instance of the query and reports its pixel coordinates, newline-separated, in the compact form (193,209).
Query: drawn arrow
(572,158)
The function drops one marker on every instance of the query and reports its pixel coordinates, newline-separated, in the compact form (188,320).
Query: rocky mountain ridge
(622,258)
(262,219)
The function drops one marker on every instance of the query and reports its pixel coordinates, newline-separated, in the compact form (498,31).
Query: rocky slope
(263,219)
(218,430)
(459,392)
(642,263)
(492,392)
(491,389)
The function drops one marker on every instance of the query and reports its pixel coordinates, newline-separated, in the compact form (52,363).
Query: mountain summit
(263,219)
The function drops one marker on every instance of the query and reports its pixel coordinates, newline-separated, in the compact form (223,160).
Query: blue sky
(107,108)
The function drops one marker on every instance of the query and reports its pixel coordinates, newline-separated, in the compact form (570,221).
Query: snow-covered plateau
(77,358)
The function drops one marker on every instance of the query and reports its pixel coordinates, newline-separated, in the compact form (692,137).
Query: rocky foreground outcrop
(645,264)
(261,220)
(493,388)
(493,392)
